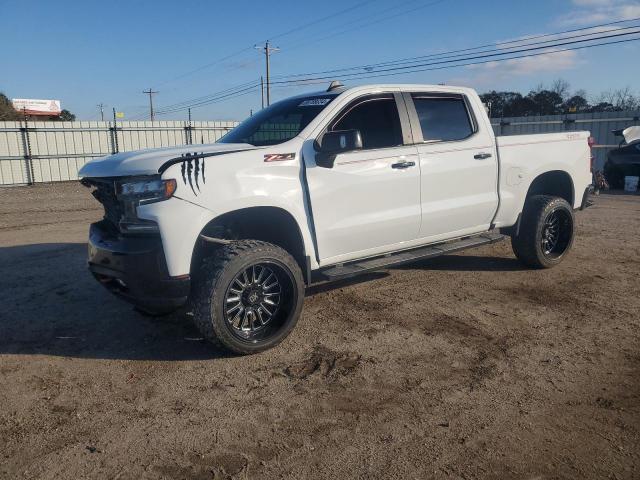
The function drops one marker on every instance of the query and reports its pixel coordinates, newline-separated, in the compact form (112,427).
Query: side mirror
(333,143)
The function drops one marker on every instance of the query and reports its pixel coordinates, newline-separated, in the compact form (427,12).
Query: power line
(488,55)
(370,67)
(204,67)
(582,47)
(525,39)
(445,55)
(441,63)
(320,20)
(304,26)
(206,97)
(279,35)
(367,24)
(228,97)
(210,98)
(442,67)
(262,90)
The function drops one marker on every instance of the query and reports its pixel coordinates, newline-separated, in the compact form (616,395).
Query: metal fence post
(26,144)
(189,130)
(114,134)
(112,139)
(188,138)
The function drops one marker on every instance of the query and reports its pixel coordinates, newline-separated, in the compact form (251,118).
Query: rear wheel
(248,296)
(546,232)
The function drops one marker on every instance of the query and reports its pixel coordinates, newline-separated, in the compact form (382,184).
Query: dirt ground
(467,366)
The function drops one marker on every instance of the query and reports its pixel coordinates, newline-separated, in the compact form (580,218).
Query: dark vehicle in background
(625,160)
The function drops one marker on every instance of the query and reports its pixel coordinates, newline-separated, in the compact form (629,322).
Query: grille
(105,193)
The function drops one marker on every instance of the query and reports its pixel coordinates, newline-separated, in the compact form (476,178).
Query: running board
(340,271)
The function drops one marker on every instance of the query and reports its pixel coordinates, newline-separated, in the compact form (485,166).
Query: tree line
(558,99)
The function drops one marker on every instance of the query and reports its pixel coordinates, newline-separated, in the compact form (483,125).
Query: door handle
(482,156)
(403,165)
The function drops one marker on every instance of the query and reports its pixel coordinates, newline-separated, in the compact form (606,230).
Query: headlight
(147,190)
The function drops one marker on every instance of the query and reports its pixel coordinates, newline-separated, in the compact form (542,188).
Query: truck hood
(148,162)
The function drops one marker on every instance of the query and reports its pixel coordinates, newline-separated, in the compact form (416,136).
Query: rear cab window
(443,118)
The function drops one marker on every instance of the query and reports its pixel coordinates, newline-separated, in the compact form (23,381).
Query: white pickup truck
(320,187)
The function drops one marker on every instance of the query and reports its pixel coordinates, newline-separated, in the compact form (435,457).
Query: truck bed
(524,157)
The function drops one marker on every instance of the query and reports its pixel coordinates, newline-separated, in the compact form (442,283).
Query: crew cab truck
(320,187)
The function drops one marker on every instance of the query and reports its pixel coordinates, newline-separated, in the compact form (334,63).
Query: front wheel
(248,296)
(546,232)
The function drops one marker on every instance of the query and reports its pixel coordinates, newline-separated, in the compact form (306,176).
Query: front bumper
(135,269)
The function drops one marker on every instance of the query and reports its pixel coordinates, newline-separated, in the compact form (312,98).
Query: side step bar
(341,271)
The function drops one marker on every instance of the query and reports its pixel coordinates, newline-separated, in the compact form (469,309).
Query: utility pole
(101,107)
(268,50)
(150,93)
(262,89)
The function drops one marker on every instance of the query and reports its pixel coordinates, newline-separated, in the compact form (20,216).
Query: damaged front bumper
(134,268)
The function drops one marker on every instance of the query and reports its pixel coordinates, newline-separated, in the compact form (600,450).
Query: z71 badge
(278,157)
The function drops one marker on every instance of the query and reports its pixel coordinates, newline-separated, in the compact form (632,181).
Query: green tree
(66,116)
(576,104)
(502,103)
(7,112)
(558,100)
(546,102)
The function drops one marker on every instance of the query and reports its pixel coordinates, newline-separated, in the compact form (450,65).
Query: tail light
(592,142)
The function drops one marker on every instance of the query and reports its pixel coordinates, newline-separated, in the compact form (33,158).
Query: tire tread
(525,244)
(206,290)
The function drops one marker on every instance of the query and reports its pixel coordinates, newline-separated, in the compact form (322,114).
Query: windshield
(280,122)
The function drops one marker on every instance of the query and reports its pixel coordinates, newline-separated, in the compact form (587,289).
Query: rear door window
(443,119)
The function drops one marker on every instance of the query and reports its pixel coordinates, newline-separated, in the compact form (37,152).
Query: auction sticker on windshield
(315,102)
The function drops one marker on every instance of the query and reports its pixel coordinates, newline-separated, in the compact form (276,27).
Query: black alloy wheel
(248,296)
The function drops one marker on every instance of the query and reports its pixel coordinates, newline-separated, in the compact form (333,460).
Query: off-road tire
(528,243)
(214,278)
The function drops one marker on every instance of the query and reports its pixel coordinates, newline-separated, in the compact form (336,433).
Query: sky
(88,52)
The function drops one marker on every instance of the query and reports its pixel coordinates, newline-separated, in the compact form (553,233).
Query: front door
(369,202)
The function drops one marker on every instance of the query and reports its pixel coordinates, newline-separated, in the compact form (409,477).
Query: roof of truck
(390,86)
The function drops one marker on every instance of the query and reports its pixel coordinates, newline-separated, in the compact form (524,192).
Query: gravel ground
(467,366)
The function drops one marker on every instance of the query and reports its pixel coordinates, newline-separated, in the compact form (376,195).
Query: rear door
(369,202)
(458,163)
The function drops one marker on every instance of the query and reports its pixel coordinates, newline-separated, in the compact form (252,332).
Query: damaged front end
(125,252)
(121,197)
